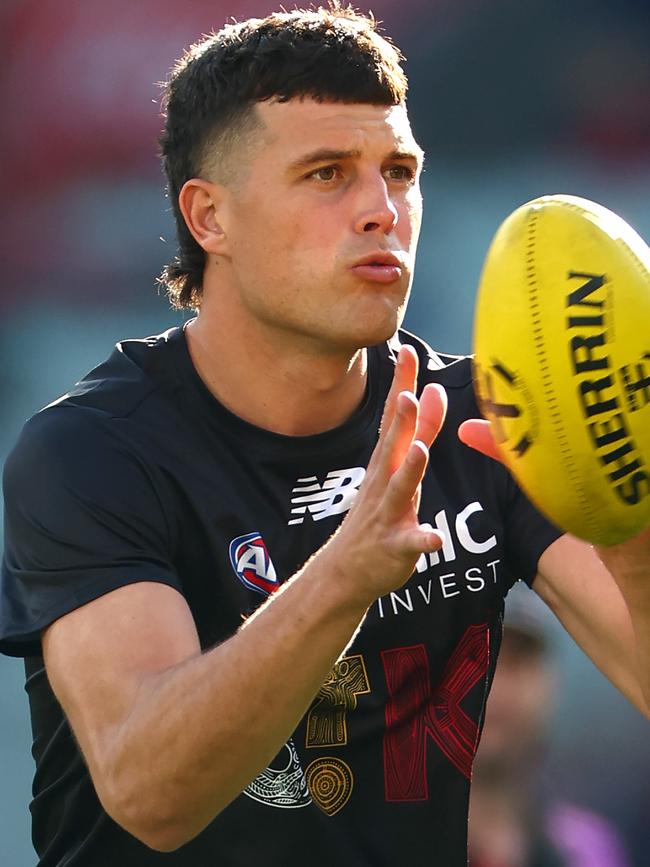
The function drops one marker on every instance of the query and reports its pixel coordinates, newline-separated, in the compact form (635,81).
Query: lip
(380,257)
(378,267)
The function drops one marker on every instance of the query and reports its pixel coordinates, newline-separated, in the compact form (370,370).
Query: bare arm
(171,735)
(601,596)
(160,723)
(629,564)
(583,594)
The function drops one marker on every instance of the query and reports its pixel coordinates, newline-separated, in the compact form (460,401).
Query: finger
(391,450)
(422,539)
(431,417)
(476,433)
(403,485)
(404,379)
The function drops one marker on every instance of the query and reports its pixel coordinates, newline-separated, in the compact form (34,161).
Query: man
(516,818)
(197,474)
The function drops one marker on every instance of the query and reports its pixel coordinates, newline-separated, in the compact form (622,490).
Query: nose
(377,211)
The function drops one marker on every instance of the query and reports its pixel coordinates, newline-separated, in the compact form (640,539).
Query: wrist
(338,581)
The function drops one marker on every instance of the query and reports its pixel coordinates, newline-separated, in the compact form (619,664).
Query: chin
(385,330)
(372,335)
(379,338)
(376,326)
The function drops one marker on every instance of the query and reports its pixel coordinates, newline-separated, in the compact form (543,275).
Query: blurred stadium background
(510,98)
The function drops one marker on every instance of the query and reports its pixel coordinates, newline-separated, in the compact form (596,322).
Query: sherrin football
(562,363)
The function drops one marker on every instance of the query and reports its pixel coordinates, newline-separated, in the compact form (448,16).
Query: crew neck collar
(367,414)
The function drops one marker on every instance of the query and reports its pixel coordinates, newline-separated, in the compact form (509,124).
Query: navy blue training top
(140,474)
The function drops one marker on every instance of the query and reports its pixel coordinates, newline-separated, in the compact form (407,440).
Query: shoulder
(58,441)
(136,369)
(67,459)
(76,482)
(87,433)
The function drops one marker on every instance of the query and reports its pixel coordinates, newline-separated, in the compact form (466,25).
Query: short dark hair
(329,54)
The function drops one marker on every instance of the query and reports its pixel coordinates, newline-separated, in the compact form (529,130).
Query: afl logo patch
(252,564)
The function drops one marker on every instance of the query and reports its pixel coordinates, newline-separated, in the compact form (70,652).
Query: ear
(202,205)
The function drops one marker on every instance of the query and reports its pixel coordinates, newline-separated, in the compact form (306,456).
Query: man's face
(323,227)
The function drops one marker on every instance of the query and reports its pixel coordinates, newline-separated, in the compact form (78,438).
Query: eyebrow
(331,155)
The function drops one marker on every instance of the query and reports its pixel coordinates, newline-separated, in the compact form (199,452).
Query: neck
(274,380)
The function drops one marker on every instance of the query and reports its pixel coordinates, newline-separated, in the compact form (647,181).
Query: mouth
(379,267)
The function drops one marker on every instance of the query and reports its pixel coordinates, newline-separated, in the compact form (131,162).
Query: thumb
(477,433)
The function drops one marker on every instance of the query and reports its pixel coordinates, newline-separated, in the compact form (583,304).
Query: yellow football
(562,363)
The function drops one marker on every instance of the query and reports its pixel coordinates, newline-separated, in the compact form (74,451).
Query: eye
(325,173)
(399,173)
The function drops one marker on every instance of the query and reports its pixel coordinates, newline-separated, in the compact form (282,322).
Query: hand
(381,539)
(630,558)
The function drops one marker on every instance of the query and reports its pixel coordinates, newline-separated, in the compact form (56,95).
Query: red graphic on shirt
(415,710)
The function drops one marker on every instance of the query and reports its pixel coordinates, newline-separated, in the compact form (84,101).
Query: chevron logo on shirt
(333,497)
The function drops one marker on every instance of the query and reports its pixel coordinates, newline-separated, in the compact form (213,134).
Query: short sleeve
(82,517)
(528,533)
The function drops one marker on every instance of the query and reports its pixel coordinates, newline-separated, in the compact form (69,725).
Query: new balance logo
(333,497)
